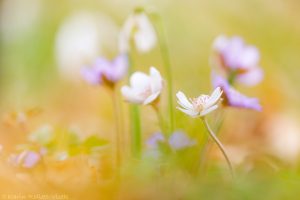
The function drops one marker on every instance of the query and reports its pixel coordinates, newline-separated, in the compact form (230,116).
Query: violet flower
(238,60)
(177,141)
(232,97)
(153,141)
(26,159)
(105,71)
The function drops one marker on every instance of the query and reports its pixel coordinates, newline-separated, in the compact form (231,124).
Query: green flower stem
(206,145)
(135,123)
(167,65)
(232,76)
(159,117)
(135,130)
(219,144)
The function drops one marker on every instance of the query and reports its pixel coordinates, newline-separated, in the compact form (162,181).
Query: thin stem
(135,123)
(164,49)
(207,145)
(159,117)
(220,145)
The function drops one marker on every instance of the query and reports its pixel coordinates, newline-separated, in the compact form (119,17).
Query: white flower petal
(183,101)
(214,97)
(139,80)
(125,34)
(208,110)
(145,36)
(131,95)
(151,98)
(154,73)
(191,113)
(156,80)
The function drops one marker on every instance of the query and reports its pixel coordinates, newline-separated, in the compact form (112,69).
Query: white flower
(200,106)
(143,88)
(139,29)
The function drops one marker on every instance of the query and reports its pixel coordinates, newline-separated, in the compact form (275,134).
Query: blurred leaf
(93,143)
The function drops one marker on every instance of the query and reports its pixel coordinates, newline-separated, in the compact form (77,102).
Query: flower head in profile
(232,97)
(199,106)
(105,71)
(238,59)
(143,89)
(137,28)
(26,159)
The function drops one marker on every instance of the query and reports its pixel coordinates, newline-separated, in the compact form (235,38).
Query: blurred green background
(44,43)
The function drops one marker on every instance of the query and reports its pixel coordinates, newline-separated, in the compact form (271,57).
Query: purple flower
(153,141)
(31,159)
(179,140)
(232,97)
(104,70)
(238,58)
(26,159)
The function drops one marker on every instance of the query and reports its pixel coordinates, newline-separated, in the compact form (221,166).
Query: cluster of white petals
(200,106)
(143,88)
(137,28)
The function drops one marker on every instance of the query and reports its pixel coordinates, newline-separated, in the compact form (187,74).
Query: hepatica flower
(139,30)
(199,106)
(153,141)
(177,141)
(238,60)
(143,89)
(26,159)
(104,71)
(232,97)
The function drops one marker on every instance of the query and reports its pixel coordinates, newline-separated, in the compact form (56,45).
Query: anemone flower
(104,71)
(238,60)
(232,97)
(139,29)
(199,106)
(143,89)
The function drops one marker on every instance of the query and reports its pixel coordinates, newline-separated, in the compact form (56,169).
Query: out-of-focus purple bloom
(26,159)
(180,140)
(232,97)
(153,141)
(238,58)
(105,70)
(177,141)
(31,159)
